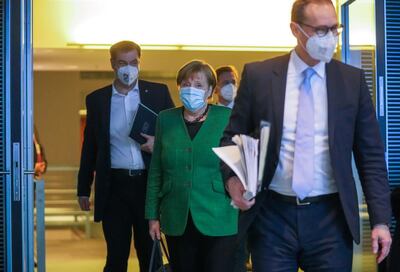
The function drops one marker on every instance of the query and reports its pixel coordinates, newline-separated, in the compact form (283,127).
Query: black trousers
(242,255)
(123,214)
(394,257)
(315,237)
(196,252)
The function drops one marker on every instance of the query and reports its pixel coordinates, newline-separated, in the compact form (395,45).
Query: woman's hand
(154,229)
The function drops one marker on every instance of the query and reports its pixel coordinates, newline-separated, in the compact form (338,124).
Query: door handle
(29,172)
(16,171)
(5,173)
(381,94)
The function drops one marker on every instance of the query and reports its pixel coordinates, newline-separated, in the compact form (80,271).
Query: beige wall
(59,95)
(58,98)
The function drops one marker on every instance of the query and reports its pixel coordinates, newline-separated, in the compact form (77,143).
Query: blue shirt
(323,175)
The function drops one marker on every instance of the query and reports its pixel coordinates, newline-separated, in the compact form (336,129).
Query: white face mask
(320,48)
(228,92)
(128,74)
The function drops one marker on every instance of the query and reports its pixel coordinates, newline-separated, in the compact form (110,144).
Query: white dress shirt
(125,152)
(323,177)
(230,105)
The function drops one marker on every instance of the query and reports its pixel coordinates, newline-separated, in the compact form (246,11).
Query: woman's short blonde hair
(195,66)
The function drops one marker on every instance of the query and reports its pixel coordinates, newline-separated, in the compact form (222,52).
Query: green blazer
(185,176)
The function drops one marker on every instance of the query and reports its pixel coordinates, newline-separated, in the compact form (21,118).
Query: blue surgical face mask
(192,98)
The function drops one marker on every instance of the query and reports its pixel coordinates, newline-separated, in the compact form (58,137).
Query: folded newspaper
(247,159)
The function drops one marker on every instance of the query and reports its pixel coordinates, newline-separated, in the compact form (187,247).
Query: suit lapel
(144,95)
(279,77)
(334,87)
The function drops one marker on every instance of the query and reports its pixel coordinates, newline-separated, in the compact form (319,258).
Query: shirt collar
(300,65)
(230,105)
(134,89)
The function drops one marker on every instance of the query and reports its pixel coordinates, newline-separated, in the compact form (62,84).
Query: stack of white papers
(244,159)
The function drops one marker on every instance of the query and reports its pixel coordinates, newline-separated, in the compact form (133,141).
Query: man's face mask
(228,92)
(128,74)
(320,48)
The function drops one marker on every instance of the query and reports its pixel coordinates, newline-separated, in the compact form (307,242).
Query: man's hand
(235,189)
(154,229)
(381,241)
(148,146)
(84,203)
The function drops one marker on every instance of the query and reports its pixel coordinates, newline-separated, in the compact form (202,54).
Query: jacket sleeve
(154,180)
(240,121)
(370,159)
(88,154)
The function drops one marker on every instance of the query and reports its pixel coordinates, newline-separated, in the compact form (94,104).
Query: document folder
(247,159)
(144,122)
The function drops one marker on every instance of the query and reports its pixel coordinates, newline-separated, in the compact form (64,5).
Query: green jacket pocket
(218,186)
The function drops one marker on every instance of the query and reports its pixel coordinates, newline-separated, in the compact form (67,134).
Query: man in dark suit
(320,112)
(119,162)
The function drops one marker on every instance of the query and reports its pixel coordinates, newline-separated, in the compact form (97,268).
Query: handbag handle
(156,245)
(165,250)
(156,248)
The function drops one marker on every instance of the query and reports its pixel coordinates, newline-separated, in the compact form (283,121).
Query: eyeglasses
(321,31)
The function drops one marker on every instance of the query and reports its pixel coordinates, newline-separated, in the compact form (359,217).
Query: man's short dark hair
(226,69)
(124,46)
(300,5)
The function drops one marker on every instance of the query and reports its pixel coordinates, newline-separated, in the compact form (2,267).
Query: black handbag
(156,258)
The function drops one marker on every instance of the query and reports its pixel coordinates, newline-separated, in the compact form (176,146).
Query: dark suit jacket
(96,155)
(352,127)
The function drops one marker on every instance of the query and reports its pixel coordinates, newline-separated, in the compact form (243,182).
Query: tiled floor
(68,251)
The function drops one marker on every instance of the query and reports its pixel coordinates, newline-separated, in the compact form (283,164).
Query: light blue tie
(303,164)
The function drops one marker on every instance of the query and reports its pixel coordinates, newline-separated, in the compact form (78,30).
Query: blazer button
(189,167)
(189,149)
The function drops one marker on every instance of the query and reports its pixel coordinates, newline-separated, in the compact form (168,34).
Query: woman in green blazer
(185,192)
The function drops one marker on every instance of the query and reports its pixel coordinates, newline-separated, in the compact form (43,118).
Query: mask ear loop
(302,30)
(305,34)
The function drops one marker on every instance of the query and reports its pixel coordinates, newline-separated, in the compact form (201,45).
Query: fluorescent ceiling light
(256,25)
(189,47)
(206,23)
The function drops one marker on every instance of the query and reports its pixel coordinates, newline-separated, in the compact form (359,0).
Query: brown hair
(124,46)
(300,5)
(226,69)
(195,66)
